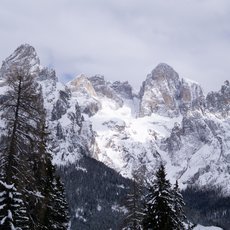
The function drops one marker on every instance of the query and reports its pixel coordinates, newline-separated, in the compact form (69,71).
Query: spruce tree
(31,194)
(179,207)
(12,209)
(21,114)
(133,218)
(54,212)
(159,206)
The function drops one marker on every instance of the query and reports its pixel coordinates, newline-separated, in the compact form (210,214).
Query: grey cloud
(123,40)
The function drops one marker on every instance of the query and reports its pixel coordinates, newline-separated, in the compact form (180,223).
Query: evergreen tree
(12,209)
(159,206)
(179,207)
(31,194)
(21,115)
(134,217)
(54,209)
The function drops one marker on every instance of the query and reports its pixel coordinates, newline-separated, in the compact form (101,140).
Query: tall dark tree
(20,111)
(159,204)
(179,207)
(12,208)
(28,179)
(133,218)
(57,216)
(52,209)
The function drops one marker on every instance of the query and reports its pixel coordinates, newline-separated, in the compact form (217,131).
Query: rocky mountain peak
(104,89)
(225,89)
(164,72)
(24,57)
(24,51)
(219,102)
(83,85)
(97,81)
(173,129)
(124,89)
(160,91)
(163,92)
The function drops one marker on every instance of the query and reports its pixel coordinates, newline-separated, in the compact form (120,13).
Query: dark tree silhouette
(133,218)
(21,112)
(159,206)
(31,194)
(179,207)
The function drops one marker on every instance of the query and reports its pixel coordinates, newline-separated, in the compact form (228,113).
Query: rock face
(174,123)
(166,94)
(83,85)
(83,90)
(219,102)
(71,136)
(104,89)
(92,92)
(24,57)
(123,89)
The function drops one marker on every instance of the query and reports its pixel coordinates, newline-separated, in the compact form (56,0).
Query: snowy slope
(169,121)
(181,131)
(71,136)
(200,227)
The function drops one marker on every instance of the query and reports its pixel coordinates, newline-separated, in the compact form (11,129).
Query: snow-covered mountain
(71,136)
(170,120)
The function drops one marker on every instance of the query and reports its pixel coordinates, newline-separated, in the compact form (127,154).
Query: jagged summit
(171,121)
(165,93)
(24,53)
(219,102)
(163,70)
(82,84)
(25,57)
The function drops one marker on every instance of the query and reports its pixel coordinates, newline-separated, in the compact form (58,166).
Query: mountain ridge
(101,129)
(169,121)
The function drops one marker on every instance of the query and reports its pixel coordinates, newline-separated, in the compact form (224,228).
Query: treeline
(157,205)
(101,199)
(207,206)
(95,193)
(31,194)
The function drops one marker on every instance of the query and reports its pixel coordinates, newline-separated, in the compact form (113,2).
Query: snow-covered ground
(121,134)
(200,227)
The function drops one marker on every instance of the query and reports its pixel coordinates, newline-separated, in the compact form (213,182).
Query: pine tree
(12,209)
(159,206)
(54,206)
(20,112)
(31,194)
(57,215)
(51,210)
(179,207)
(134,217)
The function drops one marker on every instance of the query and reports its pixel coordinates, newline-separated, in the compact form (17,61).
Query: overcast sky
(122,39)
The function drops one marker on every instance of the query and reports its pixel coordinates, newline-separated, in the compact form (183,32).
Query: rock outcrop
(219,102)
(71,136)
(164,93)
